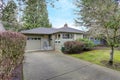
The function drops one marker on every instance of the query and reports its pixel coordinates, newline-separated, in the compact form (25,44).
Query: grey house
(50,38)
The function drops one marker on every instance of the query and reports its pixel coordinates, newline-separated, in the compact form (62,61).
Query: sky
(62,13)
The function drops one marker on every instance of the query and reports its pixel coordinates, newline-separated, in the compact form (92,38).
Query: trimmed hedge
(12,45)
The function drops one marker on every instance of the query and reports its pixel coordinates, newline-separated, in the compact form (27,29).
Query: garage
(33,43)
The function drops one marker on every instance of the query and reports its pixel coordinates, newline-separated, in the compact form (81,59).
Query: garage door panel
(33,44)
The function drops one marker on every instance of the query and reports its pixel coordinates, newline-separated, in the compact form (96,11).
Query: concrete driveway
(55,66)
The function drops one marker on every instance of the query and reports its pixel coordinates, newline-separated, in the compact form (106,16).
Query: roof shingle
(51,30)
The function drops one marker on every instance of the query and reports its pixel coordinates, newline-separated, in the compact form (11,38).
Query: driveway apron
(54,66)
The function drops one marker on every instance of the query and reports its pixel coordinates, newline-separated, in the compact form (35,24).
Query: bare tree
(102,17)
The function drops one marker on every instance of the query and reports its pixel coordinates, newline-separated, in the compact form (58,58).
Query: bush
(88,44)
(72,47)
(12,47)
(77,46)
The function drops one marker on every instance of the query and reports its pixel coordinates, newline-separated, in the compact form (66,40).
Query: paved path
(53,66)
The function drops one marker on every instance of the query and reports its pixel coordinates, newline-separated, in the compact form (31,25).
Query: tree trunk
(111,56)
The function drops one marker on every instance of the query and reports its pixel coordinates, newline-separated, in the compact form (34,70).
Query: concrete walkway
(53,66)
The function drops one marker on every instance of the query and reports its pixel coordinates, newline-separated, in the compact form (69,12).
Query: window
(58,36)
(33,38)
(71,36)
(29,38)
(67,36)
(55,41)
(58,41)
(39,38)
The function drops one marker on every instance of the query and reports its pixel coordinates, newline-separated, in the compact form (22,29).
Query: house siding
(78,36)
(53,41)
(60,42)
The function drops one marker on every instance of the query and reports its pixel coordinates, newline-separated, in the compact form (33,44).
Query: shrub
(12,47)
(72,47)
(88,44)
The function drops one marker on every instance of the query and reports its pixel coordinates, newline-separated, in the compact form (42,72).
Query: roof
(51,30)
(68,29)
(39,31)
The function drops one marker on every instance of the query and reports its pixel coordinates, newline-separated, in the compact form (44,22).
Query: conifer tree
(35,14)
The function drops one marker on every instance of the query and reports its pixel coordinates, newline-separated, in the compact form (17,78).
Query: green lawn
(100,57)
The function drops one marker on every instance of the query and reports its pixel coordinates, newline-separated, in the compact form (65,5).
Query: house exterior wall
(97,41)
(49,42)
(53,41)
(78,36)
(44,42)
(59,42)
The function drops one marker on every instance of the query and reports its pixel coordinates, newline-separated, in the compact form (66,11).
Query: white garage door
(33,44)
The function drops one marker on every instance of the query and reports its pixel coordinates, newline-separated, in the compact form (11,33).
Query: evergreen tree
(35,14)
(1,8)
(9,16)
(44,14)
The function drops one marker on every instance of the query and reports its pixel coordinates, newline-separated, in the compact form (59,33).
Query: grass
(100,57)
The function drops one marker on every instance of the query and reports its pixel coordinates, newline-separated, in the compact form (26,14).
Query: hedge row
(12,47)
(77,46)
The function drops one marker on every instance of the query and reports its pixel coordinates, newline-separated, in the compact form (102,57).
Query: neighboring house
(95,40)
(50,38)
